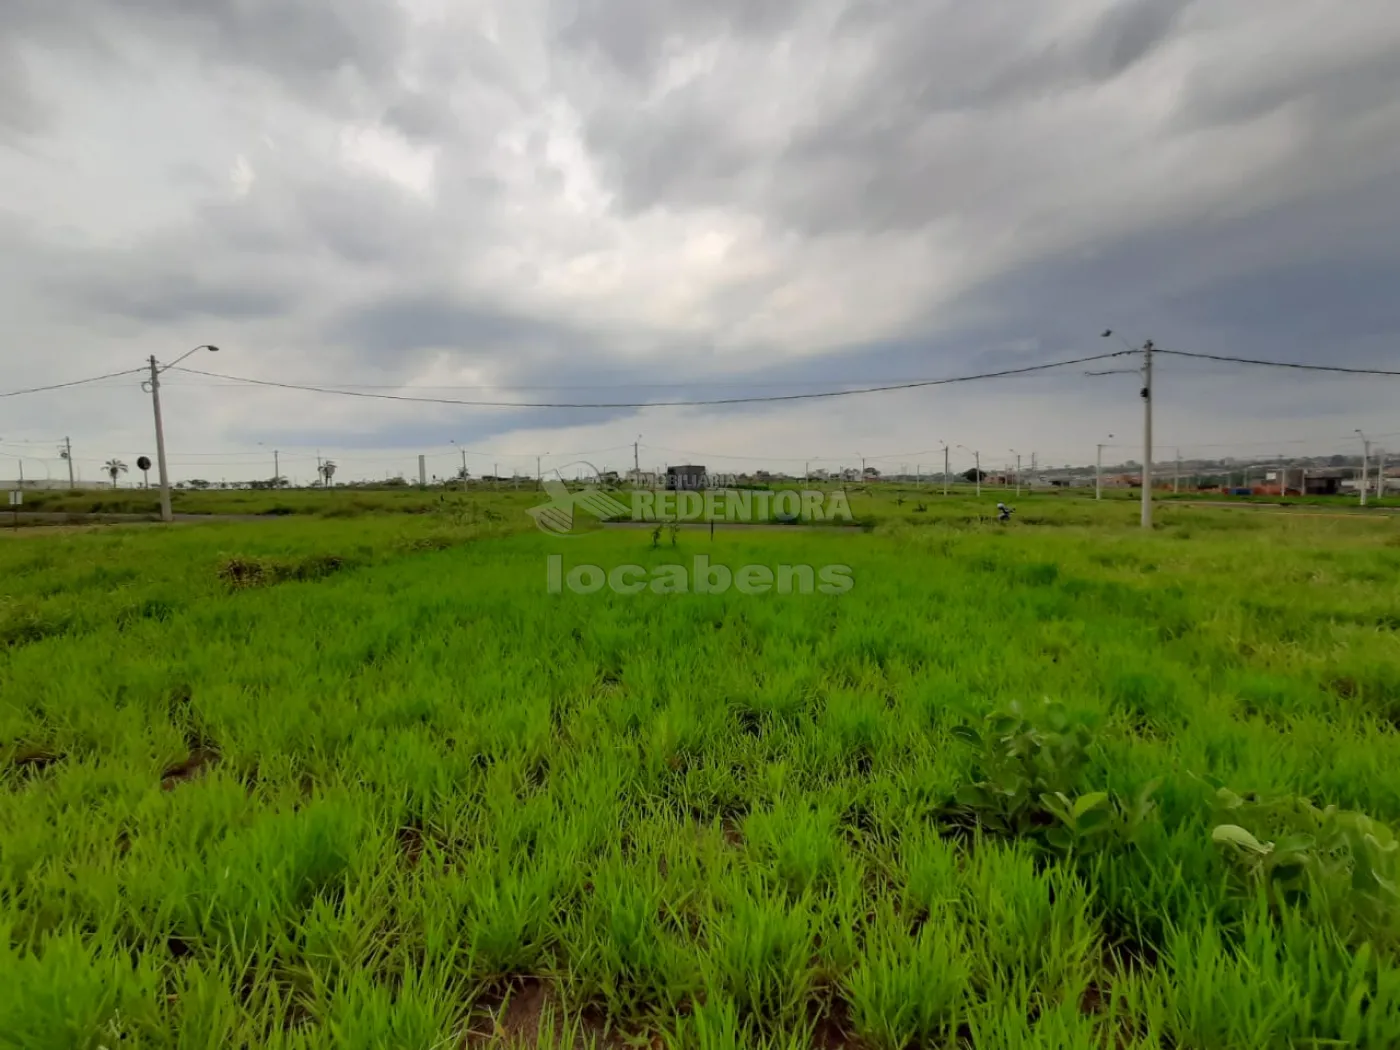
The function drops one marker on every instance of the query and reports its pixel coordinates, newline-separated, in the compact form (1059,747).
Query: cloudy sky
(641,200)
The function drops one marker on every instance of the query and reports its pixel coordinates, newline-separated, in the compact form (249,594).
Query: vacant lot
(367,783)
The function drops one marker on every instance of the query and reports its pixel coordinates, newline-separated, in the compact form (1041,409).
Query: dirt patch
(241,573)
(832,1028)
(412,841)
(732,831)
(35,759)
(200,759)
(527,1012)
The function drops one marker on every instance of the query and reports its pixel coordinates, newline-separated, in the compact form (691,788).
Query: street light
(1018,472)
(153,386)
(1098,470)
(977,463)
(1365,463)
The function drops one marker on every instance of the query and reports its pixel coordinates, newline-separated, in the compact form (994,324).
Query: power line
(1278,364)
(654,404)
(74,382)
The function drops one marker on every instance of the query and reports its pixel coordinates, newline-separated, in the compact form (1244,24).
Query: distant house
(688,477)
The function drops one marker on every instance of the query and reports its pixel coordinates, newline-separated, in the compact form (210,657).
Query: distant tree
(114,467)
(327,471)
(198,483)
(871,472)
(972,474)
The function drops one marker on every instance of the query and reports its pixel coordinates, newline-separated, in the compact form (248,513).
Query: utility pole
(276,469)
(464,467)
(1365,464)
(1147,434)
(977,465)
(165,514)
(637,462)
(1018,475)
(1098,471)
(67,453)
(945,470)
(1176,478)
(1380,474)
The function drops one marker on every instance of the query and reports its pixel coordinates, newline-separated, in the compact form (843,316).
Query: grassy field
(879,500)
(367,783)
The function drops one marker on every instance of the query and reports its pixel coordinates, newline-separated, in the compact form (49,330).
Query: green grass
(388,792)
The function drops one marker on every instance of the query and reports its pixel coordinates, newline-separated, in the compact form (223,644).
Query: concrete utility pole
(945,470)
(637,462)
(67,453)
(1018,474)
(1147,434)
(1365,464)
(153,386)
(1098,471)
(422,471)
(165,514)
(464,466)
(1147,349)
(1380,474)
(1176,480)
(977,465)
(276,469)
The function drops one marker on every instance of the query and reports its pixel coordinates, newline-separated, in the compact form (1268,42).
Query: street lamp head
(1106,333)
(211,348)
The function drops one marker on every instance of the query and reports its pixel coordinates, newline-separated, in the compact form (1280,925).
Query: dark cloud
(21,111)
(1336,92)
(636,37)
(438,321)
(168,295)
(915,130)
(302,43)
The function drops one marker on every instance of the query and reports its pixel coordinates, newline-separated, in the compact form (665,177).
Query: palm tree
(114,467)
(328,471)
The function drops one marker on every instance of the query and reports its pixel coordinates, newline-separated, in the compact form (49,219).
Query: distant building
(688,477)
(1324,482)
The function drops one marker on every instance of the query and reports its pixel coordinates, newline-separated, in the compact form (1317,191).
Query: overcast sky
(634,200)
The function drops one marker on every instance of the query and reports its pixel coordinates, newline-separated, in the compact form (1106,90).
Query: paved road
(1306,510)
(54,517)
(755,526)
